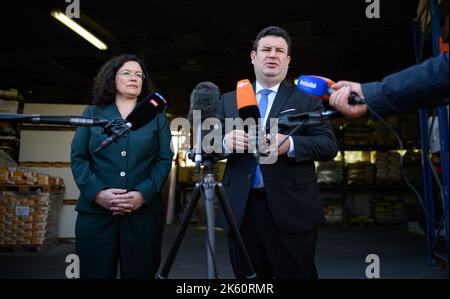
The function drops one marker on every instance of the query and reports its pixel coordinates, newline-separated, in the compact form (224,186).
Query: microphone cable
(402,167)
(404,177)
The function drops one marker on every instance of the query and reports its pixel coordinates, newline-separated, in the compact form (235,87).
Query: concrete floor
(341,253)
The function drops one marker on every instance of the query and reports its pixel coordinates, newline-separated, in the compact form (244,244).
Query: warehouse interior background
(46,68)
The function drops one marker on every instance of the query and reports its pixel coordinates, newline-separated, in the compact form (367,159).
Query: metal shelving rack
(433,224)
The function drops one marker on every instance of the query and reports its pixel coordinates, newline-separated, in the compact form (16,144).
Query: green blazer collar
(109,111)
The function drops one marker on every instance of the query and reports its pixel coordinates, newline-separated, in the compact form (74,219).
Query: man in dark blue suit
(277,206)
(412,88)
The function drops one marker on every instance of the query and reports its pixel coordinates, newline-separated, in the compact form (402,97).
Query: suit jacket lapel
(283,94)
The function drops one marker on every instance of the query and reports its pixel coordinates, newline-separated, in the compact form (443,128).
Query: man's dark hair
(272,31)
(104,87)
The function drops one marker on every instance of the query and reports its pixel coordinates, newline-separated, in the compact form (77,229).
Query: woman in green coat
(120,208)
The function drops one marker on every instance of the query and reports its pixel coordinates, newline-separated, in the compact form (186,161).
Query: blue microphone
(321,87)
(313,85)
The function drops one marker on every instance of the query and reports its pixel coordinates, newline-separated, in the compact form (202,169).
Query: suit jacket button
(249,176)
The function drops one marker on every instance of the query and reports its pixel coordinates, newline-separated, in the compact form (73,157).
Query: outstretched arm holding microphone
(415,87)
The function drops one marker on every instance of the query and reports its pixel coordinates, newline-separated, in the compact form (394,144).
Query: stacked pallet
(413,167)
(360,173)
(388,168)
(27,180)
(29,219)
(30,205)
(330,172)
(333,211)
(47,149)
(389,210)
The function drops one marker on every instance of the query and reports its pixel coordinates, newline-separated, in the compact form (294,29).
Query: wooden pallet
(26,189)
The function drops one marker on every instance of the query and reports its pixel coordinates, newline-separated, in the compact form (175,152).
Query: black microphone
(296,121)
(76,121)
(147,110)
(205,102)
(205,98)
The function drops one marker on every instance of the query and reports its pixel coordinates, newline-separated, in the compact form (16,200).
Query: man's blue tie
(263,101)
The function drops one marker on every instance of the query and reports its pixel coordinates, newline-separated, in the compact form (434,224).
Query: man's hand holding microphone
(339,99)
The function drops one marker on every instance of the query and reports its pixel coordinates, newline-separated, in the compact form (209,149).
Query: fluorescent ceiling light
(57,14)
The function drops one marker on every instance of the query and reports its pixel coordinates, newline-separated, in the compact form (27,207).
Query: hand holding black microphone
(340,99)
(345,96)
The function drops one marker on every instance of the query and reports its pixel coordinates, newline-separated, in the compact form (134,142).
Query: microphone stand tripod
(207,188)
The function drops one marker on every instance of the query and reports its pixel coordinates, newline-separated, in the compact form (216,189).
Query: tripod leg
(234,229)
(208,195)
(180,233)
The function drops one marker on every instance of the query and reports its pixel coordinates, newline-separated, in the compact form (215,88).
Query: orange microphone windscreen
(246,100)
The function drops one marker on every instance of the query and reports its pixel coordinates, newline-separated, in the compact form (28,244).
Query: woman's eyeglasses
(128,75)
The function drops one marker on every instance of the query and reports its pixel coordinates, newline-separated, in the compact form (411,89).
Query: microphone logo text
(308,84)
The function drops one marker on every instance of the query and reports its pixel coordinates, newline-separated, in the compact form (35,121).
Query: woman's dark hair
(104,87)
(272,31)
